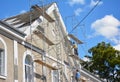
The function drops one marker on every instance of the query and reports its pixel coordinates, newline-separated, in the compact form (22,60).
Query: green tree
(105,62)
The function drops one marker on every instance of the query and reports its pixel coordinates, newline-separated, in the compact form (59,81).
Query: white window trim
(54,65)
(2,77)
(5,46)
(53,75)
(27,52)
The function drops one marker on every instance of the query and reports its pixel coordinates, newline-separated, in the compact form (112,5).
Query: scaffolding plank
(43,13)
(75,38)
(41,35)
(74,56)
(45,64)
(83,79)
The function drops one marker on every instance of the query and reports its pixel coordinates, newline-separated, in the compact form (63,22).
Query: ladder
(67,52)
(58,50)
(66,79)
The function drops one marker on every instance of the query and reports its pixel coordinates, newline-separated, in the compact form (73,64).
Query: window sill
(2,77)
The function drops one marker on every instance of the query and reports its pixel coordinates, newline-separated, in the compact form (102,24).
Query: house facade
(36,47)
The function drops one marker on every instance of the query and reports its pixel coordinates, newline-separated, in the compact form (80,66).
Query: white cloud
(93,3)
(23,11)
(116,39)
(73,2)
(78,11)
(117,47)
(107,27)
(86,59)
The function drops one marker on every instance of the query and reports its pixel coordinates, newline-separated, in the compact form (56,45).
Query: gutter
(91,75)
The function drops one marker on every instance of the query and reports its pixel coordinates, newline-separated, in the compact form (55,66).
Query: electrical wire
(85,16)
(80,21)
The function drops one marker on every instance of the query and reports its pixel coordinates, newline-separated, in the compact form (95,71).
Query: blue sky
(102,24)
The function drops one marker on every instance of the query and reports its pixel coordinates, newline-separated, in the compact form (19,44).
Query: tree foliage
(105,62)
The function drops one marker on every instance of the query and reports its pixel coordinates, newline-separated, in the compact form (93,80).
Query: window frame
(5,58)
(29,68)
(54,72)
(27,52)
(2,62)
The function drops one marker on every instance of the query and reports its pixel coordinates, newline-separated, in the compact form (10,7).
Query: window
(55,76)
(3,59)
(29,69)
(2,62)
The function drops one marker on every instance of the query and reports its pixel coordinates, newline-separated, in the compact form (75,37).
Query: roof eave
(9,27)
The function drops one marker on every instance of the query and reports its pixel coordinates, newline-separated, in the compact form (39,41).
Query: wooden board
(45,64)
(75,38)
(43,13)
(74,56)
(42,36)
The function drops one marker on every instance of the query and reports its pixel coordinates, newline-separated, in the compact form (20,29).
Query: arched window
(55,74)
(2,62)
(29,69)
(3,57)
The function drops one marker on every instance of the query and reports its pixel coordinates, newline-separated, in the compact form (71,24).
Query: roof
(7,26)
(22,21)
(43,13)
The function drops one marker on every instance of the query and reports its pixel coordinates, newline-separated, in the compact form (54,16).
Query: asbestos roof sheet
(21,21)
